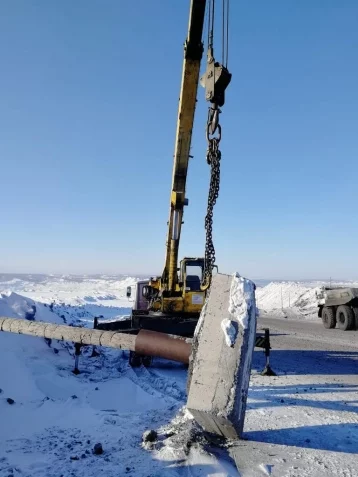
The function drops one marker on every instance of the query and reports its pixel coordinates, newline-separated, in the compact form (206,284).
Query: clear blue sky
(89,93)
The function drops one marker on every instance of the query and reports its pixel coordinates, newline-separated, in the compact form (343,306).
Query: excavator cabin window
(192,272)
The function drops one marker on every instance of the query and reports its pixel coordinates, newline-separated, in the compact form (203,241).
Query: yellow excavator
(180,291)
(172,302)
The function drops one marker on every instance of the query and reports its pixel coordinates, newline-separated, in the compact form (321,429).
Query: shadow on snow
(330,437)
(307,362)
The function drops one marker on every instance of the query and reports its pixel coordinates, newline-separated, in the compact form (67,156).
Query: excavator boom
(193,51)
(172,302)
(183,294)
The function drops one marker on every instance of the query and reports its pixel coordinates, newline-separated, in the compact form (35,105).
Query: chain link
(213,158)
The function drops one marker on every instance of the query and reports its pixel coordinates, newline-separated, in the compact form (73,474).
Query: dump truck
(338,307)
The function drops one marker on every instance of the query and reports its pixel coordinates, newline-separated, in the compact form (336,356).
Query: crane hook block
(215,81)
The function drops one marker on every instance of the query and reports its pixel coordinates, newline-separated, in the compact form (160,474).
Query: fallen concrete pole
(149,343)
(220,364)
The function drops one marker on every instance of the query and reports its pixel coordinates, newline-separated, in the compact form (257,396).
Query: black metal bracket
(264,342)
(77,355)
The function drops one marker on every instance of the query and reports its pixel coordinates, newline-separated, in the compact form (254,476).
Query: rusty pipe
(150,343)
(153,343)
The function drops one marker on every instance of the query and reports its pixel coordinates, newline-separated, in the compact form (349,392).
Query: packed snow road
(308,333)
(304,421)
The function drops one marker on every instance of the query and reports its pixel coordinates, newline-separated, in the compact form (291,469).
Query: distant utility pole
(330,282)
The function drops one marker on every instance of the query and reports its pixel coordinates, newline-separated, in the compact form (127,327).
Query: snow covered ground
(307,415)
(304,421)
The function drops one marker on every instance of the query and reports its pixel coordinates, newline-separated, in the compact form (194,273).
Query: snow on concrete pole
(146,342)
(220,364)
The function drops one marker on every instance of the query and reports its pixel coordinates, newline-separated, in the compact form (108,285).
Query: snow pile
(13,305)
(288,299)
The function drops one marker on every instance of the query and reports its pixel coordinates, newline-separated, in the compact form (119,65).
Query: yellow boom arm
(193,52)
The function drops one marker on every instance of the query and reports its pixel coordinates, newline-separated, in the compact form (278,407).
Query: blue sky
(89,94)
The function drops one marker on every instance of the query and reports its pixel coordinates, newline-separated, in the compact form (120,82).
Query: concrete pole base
(220,363)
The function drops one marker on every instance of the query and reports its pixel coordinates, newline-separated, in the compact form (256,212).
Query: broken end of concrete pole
(220,363)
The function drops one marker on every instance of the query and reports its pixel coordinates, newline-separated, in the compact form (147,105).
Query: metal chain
(213,158)
(215,93)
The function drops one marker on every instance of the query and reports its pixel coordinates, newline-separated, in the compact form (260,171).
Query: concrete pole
(149,343)
(220,363)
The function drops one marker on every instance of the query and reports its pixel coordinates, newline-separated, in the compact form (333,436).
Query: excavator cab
(188,298)
(190,278)
(191,273)
(168,312)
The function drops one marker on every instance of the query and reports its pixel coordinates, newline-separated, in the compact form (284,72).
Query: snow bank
(288,299)
(14,305)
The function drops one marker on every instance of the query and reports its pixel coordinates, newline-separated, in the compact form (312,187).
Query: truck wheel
(328,318)
(355,311)
(345,317)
